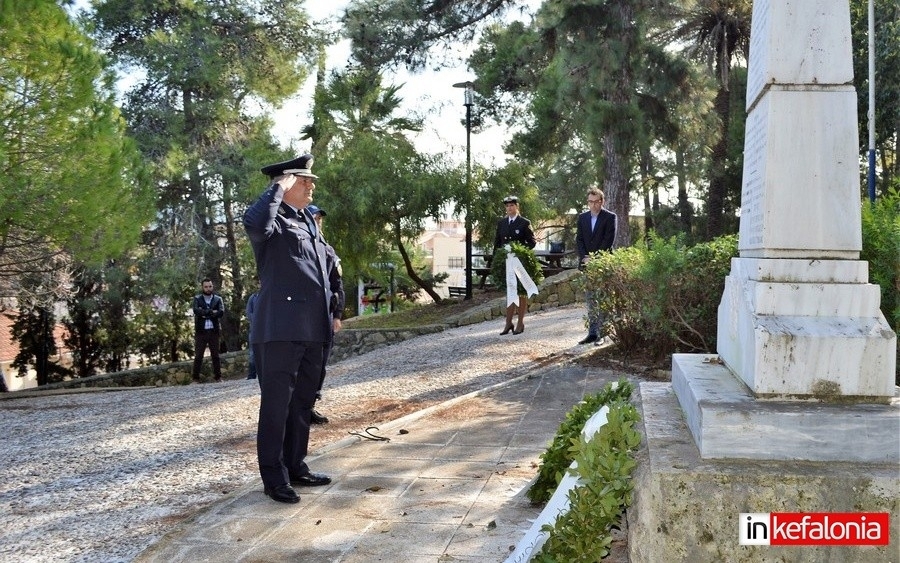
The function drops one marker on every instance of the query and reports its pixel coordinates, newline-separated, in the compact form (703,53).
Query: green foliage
(494,185)
(98,333)
(204,72)
(529,262)
(407,32)
(604,464)
(881,248)
(65,161)
(658,298)
(887,84)
(378,190)
(161,334)
(33,329)
(560,454)
(82,324)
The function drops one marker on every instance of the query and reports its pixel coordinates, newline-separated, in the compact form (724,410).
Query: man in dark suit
(596,232)
(208,310)
(291,323)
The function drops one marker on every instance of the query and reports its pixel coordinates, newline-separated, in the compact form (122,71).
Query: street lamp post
(468,102)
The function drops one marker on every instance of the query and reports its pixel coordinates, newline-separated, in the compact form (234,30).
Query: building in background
(9,348)
(444,244)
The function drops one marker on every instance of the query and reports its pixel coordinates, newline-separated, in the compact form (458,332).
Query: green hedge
(555,461)
(604,463)
(663,297)
(881,249)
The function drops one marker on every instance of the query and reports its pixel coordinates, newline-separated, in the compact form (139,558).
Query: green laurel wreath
(529,261)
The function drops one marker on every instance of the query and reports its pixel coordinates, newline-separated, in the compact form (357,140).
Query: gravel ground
(99,476)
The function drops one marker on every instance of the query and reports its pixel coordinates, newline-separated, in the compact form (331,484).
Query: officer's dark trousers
(329,344)
(288,379)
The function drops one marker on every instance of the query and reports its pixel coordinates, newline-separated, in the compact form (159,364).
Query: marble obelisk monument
(799,324)
(797,412)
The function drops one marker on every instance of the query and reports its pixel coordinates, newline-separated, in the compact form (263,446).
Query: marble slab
(800,193)
(821,340)
(727,421)
(799,42)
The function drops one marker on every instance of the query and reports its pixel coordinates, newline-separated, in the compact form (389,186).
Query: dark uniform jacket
(519,231)
(295,295)
(214,311)
(601,237)
(335,282)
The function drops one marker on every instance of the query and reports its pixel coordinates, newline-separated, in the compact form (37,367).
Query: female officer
(514,228)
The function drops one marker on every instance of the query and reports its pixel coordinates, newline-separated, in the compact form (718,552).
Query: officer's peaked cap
(300,166)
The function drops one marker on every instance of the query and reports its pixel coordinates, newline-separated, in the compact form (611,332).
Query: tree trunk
(231,331)
(715,203)
(684,206)
(615,191)
(648,215)
(410,271)
(646,181)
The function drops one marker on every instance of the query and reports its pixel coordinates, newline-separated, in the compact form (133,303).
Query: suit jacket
(294,295)
(601,237)
(214,311)
(519,231)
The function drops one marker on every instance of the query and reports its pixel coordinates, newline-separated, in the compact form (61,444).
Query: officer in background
(514,228)
(336,284)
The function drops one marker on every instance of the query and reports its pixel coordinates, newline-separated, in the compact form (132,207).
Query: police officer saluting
(291,323)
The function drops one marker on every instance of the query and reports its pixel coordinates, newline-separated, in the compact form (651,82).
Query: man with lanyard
(290,325)
(208,310)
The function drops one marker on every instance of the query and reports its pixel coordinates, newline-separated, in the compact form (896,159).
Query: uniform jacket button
(289,298)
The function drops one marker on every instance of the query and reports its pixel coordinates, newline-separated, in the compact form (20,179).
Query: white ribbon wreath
(515,269)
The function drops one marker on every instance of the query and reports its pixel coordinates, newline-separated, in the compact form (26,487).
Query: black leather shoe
(519,330)
(283,493)
(506,330)
(318,418)
(589,338)
(311,480)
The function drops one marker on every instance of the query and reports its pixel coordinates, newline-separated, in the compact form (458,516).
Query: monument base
(727,421)
(807,329)
(686,508)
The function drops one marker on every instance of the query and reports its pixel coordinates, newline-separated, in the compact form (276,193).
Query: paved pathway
(136,463)
(449,486)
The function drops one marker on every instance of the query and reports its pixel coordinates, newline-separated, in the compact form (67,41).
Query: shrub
(559,455)
(881,249)
(662,297)
(604,464)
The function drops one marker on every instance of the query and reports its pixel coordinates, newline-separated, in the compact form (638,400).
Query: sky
(428,94)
